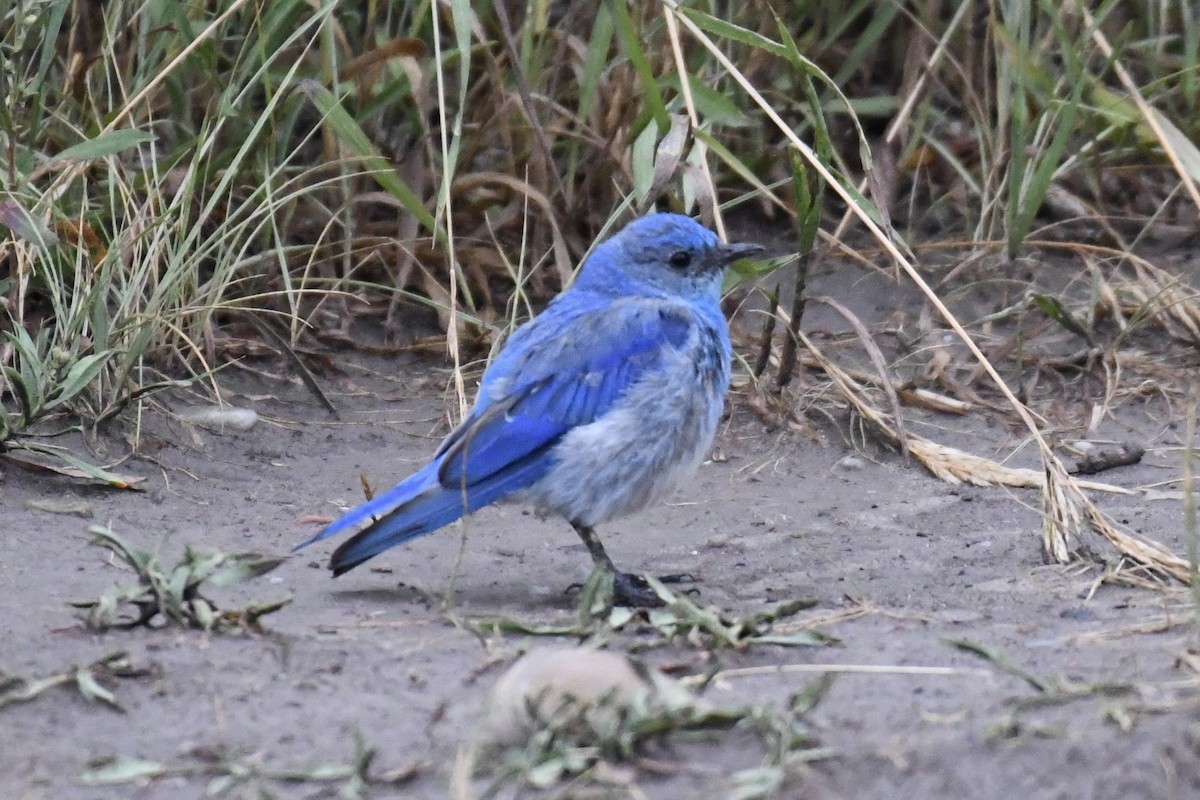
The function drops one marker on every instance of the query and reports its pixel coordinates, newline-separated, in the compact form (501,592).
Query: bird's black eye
(680,259)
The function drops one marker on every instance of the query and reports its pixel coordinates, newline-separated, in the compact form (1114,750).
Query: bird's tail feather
(435,507)
(406,491)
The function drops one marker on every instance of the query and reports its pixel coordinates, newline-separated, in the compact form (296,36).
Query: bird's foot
(634,591)
(630,589)
(678,577)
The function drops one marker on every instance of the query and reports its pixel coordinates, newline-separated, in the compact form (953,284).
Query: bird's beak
(729,253)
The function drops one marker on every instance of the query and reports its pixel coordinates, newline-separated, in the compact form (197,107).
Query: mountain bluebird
(591,410)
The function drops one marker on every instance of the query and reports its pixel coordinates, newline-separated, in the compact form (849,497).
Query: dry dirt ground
(897,562)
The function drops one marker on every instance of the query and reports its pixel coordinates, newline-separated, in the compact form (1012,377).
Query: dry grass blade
(373,59)
(1156,294)
(957,466)
(475,180)
(1142,550)
(1001,662)
(878,361)
(1160,624)
(706,190)
(833,669)
(1189,502)
(263,325)
(946,463)
(1068,510)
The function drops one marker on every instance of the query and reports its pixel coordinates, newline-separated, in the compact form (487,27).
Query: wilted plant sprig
(227,774)
(172,596)
(573,737)
(88,680)
(711,628)
(567,734)
(680,619)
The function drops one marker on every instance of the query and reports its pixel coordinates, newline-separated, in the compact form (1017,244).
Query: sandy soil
(897,562)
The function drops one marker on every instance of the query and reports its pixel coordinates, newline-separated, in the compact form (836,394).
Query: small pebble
(220,418)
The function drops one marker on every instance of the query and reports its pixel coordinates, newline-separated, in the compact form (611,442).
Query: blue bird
(593,409)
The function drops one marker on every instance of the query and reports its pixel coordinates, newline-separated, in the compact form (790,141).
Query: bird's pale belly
(644,447)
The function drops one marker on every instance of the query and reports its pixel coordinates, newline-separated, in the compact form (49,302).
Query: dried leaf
(120,769)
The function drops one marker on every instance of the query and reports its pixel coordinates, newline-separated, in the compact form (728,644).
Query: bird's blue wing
(550,385)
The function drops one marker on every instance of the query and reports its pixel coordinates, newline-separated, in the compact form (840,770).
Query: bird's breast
(653,437)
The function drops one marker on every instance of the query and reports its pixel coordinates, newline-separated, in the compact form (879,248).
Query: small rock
(550,681)
(583,694)
(1079,613)
(220,418)
(999,585)
(717,541)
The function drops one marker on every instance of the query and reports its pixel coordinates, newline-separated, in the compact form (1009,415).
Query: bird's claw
(634,591)
(678,577)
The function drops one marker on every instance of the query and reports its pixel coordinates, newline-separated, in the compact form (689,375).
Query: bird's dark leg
(629,589)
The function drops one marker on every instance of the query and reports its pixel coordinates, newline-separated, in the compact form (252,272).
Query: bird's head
(662,254)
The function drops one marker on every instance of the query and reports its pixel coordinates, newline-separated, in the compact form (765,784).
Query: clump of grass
(573,736)
(708,627)
(679,620)
(140,211)
(575,714)
(162,596)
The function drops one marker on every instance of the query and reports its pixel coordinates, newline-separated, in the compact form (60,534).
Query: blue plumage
(592,409)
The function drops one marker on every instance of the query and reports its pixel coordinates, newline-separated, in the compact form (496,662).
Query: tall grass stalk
(1190,530)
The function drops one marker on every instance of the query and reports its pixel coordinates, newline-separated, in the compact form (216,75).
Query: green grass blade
(80,374)
(632,41)
(104,145)
(603,30)
(729,30)
(352,136)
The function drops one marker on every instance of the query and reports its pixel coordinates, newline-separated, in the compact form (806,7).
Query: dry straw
(1068,513)
(1066,507)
